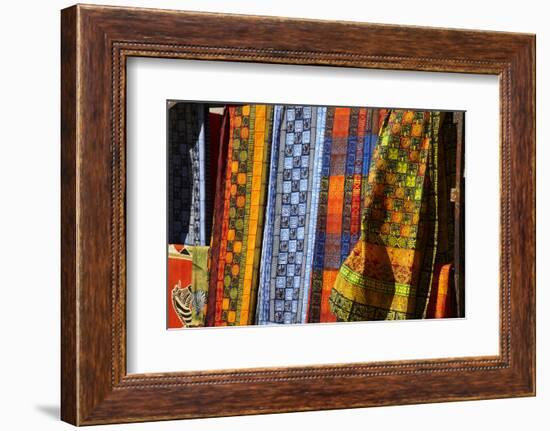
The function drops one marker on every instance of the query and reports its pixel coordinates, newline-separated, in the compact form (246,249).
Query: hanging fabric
(215,281)
(295,214)
(291,214)
(442,303)
(349,139)
(187,216)
(235,253)
(389,273)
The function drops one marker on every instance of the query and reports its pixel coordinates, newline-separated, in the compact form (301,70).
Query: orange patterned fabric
(350,137)
(236,257)
(442,299)
(380,278)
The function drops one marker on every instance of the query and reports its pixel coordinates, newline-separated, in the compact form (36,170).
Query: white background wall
(29,215)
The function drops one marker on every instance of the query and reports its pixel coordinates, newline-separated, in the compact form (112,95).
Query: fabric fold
(389,273)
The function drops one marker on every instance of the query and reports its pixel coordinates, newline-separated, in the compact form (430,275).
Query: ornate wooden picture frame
(96,41)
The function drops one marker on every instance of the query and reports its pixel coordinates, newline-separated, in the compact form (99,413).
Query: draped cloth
(291,216)
(443,297)
(215,282)
(236,245)
(442,303)
(294,214)
(188,221)
(389,272)
(349,138)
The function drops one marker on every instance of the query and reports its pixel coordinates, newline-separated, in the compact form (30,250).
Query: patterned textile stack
(236,258)
(310,214)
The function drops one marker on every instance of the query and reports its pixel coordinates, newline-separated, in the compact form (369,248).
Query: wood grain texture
(96,41)
(69,397)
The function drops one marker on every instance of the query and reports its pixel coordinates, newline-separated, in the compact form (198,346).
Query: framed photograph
(264,215)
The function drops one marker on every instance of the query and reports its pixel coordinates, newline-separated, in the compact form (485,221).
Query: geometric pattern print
(186,174)
(238,254)
(355,222)
(380,278)
(264,304)
(350,137)
(290,224)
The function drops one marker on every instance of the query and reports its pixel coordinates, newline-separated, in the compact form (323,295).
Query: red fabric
(179,270)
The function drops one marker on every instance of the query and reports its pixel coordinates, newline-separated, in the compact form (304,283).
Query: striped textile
(235,253)
(350,136)
(291,215)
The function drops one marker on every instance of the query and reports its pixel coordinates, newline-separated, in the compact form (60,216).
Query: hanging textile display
(349,139)
(389,273)
(291,214)
(187,218)
(235,254)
